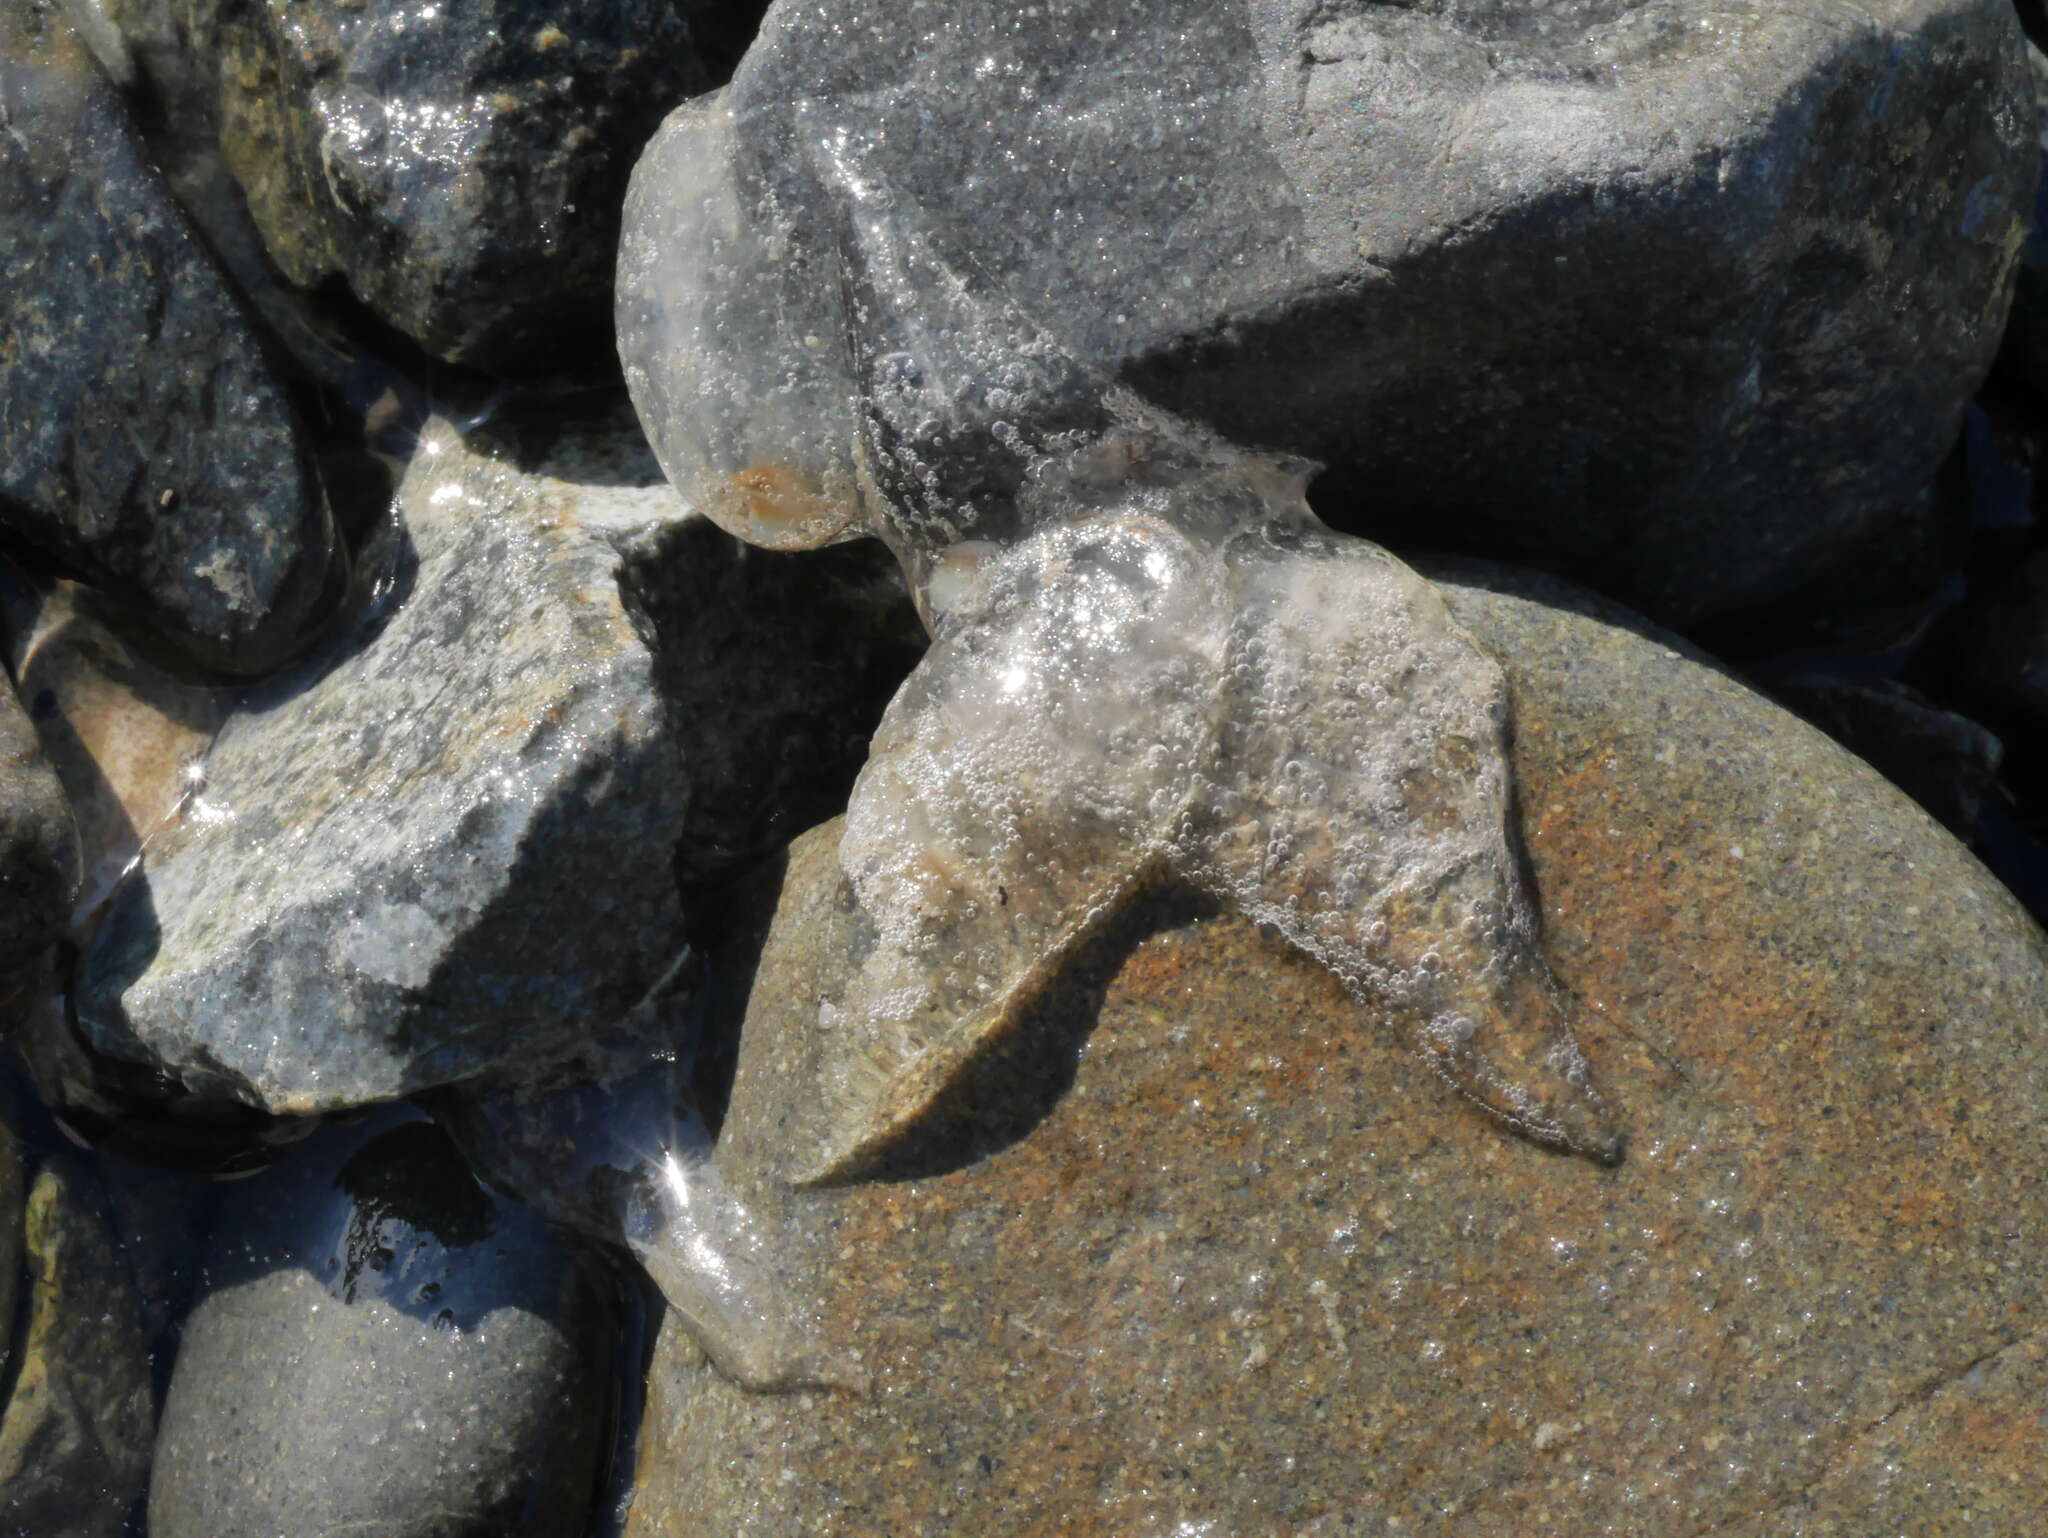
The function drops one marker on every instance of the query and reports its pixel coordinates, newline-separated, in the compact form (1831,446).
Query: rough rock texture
(144,443)
(39,847)
(75,1432)
(386,1349)
(458,165)
(447,843)
(13,1189)
(442,841)
(1689,304)
(1207,1249)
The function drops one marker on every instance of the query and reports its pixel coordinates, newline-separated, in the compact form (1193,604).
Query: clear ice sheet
(1149,656)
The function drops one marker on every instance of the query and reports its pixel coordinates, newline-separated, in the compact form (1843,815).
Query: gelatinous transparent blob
(1149,656)
(627,1159)
(1188,675)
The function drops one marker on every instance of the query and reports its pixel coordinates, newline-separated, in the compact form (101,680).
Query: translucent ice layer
(1182,672)
(1149,656)
(627,1159)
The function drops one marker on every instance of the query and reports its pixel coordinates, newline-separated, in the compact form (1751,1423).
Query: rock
(1202,1245)
(1692,310)
(145,445)
(123,736)
(389,1347)
(1944,761)
(442,842)
(75,1433)
(13,1191)
(2027,338)
(448,844)
(39,849)
(458,166)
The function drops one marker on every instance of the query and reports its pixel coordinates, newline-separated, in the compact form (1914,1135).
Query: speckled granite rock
(1208,1250)
(458,165)
(443,841)
(39,847)
(1944,761)
(386,1348)
(75,1432)
(144,442)
(450,843)
(1688,304)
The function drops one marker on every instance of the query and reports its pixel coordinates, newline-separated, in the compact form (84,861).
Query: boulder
(1689,308)
(145,445)
(1202,1246)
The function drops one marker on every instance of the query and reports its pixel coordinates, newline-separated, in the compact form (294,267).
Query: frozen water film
(1149,657)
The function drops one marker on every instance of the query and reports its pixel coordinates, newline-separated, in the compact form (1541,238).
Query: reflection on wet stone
(383,1342)
(145,445)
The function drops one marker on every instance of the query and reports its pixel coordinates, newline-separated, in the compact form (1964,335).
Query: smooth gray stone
(145,444)
(1686,304)
(75,1433)
(444,842)
(459,166)
(386,1348)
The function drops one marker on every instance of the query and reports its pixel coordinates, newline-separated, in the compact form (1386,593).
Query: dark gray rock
(39,847)
(458,165)
(451,842)
(385,1348)
(144,442)
(1690,305)
(75,1434)
(1204,1246)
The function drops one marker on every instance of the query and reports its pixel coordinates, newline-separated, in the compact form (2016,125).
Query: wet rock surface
(145,445)
(384,1347)
(1704,366)
(451,842)
(122,735)
(442,842)
(458,166)
(75,1432)
(1200,1243)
